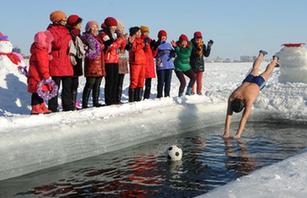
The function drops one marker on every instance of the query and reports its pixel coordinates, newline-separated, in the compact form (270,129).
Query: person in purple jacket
(164,53)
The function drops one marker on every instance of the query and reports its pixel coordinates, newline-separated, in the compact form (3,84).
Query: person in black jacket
(74,23)
(199,51)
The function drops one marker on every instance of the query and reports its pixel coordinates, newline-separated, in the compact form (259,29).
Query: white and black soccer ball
(174,153)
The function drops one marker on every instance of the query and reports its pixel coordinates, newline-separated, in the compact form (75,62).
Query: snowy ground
(280,101)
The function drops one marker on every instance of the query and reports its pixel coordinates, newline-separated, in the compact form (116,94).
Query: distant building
(247,58)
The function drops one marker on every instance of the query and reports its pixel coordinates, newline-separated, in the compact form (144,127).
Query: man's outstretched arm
(227,121)
(246,113)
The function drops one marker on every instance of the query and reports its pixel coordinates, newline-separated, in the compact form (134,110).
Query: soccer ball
(174,153)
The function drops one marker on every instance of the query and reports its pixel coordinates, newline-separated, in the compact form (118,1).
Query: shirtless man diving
(245,95)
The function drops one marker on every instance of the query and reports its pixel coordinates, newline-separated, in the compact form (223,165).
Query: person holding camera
(199,51)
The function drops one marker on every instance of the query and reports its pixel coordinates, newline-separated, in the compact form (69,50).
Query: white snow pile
(293,62)
(285,179)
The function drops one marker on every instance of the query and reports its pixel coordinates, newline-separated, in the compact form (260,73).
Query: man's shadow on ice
(14,99)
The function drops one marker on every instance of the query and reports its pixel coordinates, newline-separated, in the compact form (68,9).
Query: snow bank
(284,179)
(293,62)
(84,134)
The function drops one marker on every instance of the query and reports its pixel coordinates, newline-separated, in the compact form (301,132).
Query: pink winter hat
(90,24)
(3,37)
(43,39)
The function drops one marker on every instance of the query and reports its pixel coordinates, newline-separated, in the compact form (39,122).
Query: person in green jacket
(183,67)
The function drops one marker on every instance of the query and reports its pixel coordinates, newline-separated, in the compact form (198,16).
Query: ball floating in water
(174,153)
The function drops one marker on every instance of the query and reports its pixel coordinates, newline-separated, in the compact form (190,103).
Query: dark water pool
(142,171)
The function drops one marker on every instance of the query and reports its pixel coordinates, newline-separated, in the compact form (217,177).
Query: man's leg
(269,69)
(257,63)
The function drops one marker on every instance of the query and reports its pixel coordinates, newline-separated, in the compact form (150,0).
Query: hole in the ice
(209,161)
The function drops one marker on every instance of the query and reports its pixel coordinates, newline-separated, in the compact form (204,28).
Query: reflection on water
(209,161)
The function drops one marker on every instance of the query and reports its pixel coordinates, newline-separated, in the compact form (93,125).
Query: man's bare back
(245,95)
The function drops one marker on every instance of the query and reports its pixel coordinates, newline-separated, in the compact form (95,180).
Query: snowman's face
(6,47)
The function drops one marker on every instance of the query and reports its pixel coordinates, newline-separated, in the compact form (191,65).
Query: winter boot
(36,109)
(147,92)
(263,52)
(74,99)
(96,98)
(131,95)
(85,97)
(189,91)
(139,94)
(277,59)
(180,94)
(44,109)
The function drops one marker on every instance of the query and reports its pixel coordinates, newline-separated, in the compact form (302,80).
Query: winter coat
(39,67)
(164,56)
(182,61)
(77,53)
(197,56)
(60,65)
(137,54)
(150,64)
(94,59)
(112,46)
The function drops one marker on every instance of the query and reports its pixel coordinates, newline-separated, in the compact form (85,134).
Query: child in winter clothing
(182,64)
(39,69)
(150,65)
(77,52)
(112,44)
(60,66)
(137,60)
(164,53)
(200,50)
(93,65)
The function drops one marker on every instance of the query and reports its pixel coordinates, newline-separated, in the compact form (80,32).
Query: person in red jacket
(60,67)
(150,65)
(39,69)
(112,44)
(94,66)
(137,60)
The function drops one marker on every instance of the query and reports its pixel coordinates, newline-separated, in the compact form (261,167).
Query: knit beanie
(198,35)
(57,16)
(73,20)
(162,33)
(110,21)
(144,29)
(133,30)
(183,37)
(90,24)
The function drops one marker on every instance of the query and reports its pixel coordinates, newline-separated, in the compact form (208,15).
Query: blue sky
(238,27)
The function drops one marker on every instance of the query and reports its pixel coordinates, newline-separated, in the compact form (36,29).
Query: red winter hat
(198,35)
(183,37)
(162,33)
(110,21)
(73,20)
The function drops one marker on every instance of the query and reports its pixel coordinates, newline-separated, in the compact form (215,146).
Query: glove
(106,38)
(47,85)
(146,40)
(210,43)
(114,36)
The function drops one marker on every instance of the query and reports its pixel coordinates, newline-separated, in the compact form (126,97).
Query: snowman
(293,63)
(8,57)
